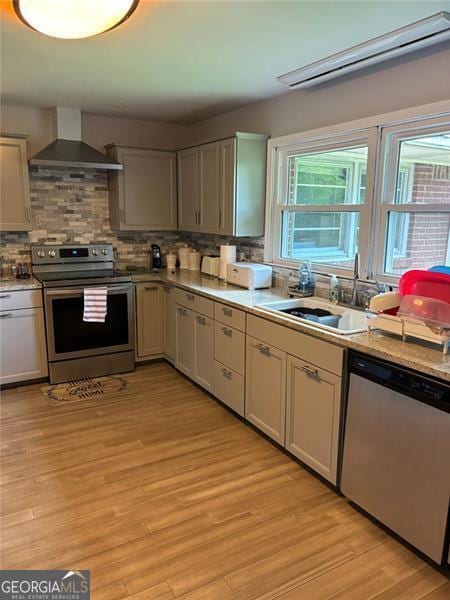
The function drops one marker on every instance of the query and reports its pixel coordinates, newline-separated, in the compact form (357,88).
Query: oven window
(72,334)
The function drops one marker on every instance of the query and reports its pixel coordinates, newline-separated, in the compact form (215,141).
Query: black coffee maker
(155,257)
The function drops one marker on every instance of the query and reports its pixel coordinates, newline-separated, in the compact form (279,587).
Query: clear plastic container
(433,313)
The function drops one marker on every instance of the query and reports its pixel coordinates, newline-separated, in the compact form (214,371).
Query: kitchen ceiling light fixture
(74,19)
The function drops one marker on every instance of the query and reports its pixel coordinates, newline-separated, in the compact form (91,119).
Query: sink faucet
(354,299)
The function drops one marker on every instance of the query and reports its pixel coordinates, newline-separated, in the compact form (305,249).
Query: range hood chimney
(68,149)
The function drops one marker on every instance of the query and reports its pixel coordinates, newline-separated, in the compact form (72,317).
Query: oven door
(68,336)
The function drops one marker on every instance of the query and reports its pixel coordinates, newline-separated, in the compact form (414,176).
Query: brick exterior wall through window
(427,234)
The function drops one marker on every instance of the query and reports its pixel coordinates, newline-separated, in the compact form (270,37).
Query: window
(325,205)
(322,202)
(415,207)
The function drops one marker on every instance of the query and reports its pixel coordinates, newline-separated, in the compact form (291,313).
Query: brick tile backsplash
(71,206)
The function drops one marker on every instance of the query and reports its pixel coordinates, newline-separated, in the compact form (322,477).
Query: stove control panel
(71,254)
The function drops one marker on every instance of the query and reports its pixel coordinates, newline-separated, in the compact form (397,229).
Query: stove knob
(104,251)
(52,253)
(94,252)
(41,253)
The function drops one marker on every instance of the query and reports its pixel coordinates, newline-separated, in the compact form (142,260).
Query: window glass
(323,237)
(423,173)
(327,178)
(417,241)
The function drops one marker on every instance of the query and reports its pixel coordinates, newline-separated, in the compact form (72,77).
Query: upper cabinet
(188,189)
(15,210)
(143,196)
(221,186)
(209,172)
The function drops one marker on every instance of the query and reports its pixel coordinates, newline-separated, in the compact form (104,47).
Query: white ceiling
(184,61)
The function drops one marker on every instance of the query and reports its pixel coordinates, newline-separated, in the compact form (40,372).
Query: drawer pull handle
(201,320)
(6,315)
(182,312)
(310,371)
(227,311)
(150,288)
(190,297)
(226,373)
(262,348)
(227,331)
(167,288)
(5,296)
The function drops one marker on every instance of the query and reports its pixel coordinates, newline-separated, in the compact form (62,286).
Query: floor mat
(86,389)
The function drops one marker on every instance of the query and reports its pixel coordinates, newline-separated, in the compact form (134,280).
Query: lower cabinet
(149,308)
(265,386)
(229,387)
(23,353)
(169,322)
(195,346)
(204,351)
(312,416)
(185,343)
(295,402)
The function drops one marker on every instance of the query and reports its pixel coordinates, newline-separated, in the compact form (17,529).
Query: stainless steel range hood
(68,150)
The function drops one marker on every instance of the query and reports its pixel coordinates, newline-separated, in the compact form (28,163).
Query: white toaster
(211,265)
(252,276)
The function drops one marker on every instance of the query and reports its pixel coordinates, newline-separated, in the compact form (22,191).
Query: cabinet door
(229,387)
(209,172)
(312,416)
(15,212)
(149,311)
(185,341)
(265,400)
(23,352)
(188,190)
(169,322)
(147,190)
(204,351)
(227,186)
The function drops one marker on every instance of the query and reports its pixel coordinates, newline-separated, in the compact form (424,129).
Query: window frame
(372,240)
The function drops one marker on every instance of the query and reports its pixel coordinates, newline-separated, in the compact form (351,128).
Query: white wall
(97,130)
(36,123)
(417,79)
(101,130)
(420,78)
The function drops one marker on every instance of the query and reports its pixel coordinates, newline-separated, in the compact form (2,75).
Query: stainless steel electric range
(79,349)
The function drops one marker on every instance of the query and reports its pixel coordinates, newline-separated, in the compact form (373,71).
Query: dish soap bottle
(334,289)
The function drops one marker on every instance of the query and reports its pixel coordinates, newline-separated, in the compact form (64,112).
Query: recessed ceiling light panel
(73,19)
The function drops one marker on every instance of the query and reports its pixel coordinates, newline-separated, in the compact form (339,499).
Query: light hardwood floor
(164,494)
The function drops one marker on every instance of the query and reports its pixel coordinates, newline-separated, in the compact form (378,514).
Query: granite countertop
(14,285)
(423,357)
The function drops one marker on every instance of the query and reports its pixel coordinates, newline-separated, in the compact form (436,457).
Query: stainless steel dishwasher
(396,458)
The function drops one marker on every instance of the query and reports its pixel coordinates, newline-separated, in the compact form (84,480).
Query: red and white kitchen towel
(95,304)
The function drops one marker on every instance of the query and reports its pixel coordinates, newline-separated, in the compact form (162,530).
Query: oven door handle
(80,291)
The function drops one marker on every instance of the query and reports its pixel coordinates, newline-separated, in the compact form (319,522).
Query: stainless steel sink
(317,312)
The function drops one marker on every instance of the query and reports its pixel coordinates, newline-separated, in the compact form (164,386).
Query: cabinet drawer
(229,347)
(20,299)
(314,351)
(195,302)
(229,316)
(229,387)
